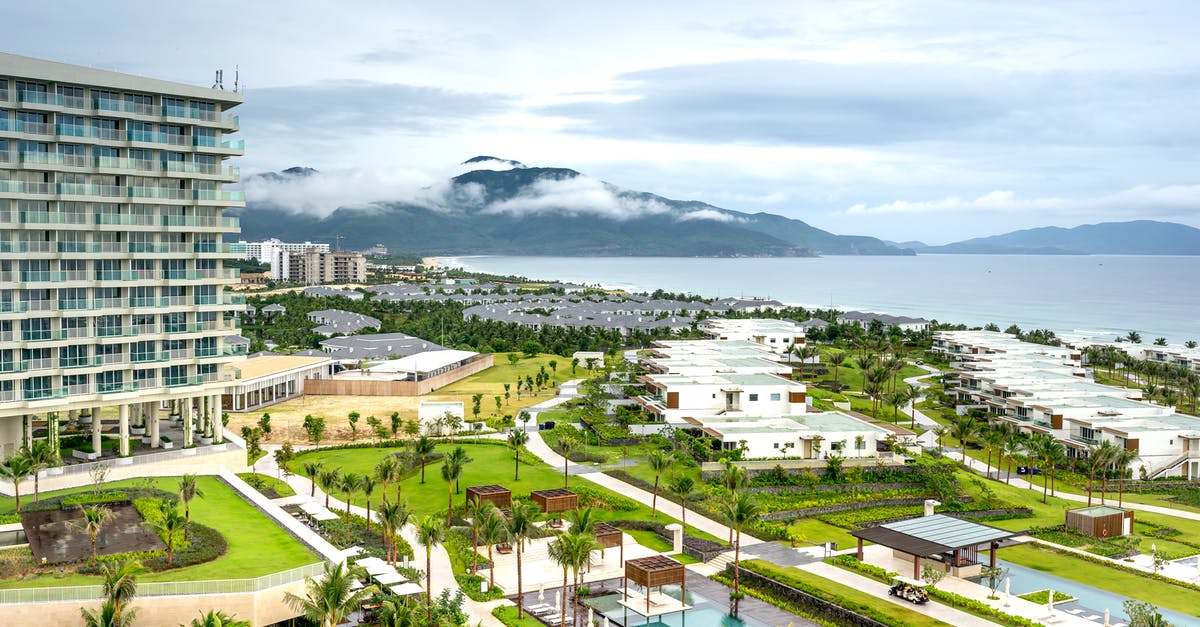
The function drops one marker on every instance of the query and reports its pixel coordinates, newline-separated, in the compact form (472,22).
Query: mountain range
(1138,237)
(502,207)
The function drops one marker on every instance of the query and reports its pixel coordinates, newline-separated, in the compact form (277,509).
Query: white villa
(673,397)
(805,436)
(778,336)
(1044,389)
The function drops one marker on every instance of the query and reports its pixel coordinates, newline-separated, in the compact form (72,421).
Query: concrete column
(154,431)
(124,429)
(27,430)
(189,422)
(73,418)
(218,428)
(96,429)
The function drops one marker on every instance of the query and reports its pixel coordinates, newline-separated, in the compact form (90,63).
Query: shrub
(591,497)
(112,496)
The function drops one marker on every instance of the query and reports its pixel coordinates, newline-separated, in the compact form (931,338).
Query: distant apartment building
(314,267)
(112,250)
(266,250)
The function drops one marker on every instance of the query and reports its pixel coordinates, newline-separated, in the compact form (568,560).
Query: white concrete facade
(112,246)
(777,336)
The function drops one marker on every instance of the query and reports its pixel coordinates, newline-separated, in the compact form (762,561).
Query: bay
(1158,296)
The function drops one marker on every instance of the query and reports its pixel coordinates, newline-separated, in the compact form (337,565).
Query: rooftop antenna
(219,80)
(235,79)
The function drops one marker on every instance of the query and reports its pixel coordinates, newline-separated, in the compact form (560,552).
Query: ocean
(1156,296)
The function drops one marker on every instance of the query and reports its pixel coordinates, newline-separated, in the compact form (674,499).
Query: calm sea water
(1156,296)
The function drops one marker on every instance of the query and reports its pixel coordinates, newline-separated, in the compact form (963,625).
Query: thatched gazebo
(497,495)
(608,536)
(655,571)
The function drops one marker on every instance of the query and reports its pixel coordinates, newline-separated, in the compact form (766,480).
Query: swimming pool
(704,612)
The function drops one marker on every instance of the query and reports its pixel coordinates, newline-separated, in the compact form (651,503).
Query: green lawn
(257,546)
(1114,580)
(492,464)
(848,597)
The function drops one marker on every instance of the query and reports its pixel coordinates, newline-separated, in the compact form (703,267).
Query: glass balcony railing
(42,276)
(116,387)
(212,194)
(9,367)
(178,381)
(204,353)
(77,247)
(43,394)
(116,331)
(234,144)
(36,97)
(79,362)
(144,358)
(236,349)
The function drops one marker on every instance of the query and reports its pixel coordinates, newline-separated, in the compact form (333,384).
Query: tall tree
(738,513)
(366,485)
(392,518)
(492,530)
(41,456)
(188,490)
(313,469)
(659,463)
(94,520)
(422,449)
(328,479)
(566,446)
(836,359)
(520,526)
(1121,459)
(429,535)
(17,469)
(120,585)
(169,525)
(517,438)
(452,468)
(963,428)
(329,599)
(682,486)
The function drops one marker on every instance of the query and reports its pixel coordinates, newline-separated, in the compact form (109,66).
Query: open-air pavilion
(555,501)
(652,572)
(608,536)
(954,542)
(497,495)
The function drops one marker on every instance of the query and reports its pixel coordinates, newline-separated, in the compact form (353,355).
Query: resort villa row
(1044,389)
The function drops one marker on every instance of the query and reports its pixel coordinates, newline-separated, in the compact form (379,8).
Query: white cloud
(321,193)
(1134,202)
(580,195)
(709,214)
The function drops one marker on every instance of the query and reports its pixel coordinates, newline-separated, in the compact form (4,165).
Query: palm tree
(963,428)
(120,586)
(392,518)
(216,618)
(836,359)
(387,471)
(492,531)
(107,616)
(312,469)
(914,395)
(992,439)
(188,490)
(41,456)
(1098,456)
(738,513)
(422,449)
(559,552)
(93,521)
(17,469)
(329,599)
(1122,458)
(429,535)
(170,523)
(366,485)
(659,463)
(1053,454)
(566,446)
(1013,445)
(897,399)
(516,439)
(682,486)
(349,484)
(328,479)
(519,526)
(734,479)
(452,468)
(572,551)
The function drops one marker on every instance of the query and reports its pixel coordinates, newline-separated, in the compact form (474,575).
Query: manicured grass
(256,545)
(810,531)
(491,464)
(1041,597)
(508,615)
(281,488)
(1143,588)
(851,598)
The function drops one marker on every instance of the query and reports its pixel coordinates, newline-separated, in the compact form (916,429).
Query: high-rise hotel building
(113,235)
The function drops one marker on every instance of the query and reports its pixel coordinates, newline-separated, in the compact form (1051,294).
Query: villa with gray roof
(863,318)
(331,321)
(376,346)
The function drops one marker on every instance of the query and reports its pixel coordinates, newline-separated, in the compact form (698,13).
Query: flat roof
(1098,510)
(926,536)
(44,70)
(423,362)
(270,365)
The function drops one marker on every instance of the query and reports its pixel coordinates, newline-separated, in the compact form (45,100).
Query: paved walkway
(538,447)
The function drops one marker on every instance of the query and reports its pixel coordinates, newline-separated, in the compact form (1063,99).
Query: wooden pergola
(608,536)
(654,571)
(497,495)
(555,501)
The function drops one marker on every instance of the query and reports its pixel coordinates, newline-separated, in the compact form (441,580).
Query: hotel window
(71,96)
(204,136)
(35,329)
(109,100)
(110,381)
(776,397)
(72,356)
(753,397)
(174,375)
(140,352)
(140,104)
(174,322)
(144,378)
(175,107)
(141,132)
(107,129)
(36,387)
(32,118)
(76,383)
(31,92)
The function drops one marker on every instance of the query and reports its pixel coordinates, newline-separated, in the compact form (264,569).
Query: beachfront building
(866,319)
(268,251)
(1044,389)
(778,336)
(699,357)
(805,436)
(671,397)
(112,251)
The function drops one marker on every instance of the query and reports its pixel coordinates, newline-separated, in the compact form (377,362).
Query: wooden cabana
(655,571)
(497,495)
(555,501)
(1101,521)
(608,536)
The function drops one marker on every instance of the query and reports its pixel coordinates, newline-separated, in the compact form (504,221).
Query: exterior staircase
(1171,465)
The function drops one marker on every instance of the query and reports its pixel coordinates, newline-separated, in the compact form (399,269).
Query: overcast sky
(932,120)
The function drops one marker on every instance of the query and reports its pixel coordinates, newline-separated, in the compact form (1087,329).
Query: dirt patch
(52,539)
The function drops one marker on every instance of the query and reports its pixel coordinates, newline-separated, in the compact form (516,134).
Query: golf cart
(911,590)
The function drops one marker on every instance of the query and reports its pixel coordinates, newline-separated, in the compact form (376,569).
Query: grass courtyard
(257,546)
(492,464)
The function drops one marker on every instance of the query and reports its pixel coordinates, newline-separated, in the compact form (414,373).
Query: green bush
(112,496)
(8,519)
(591,497)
